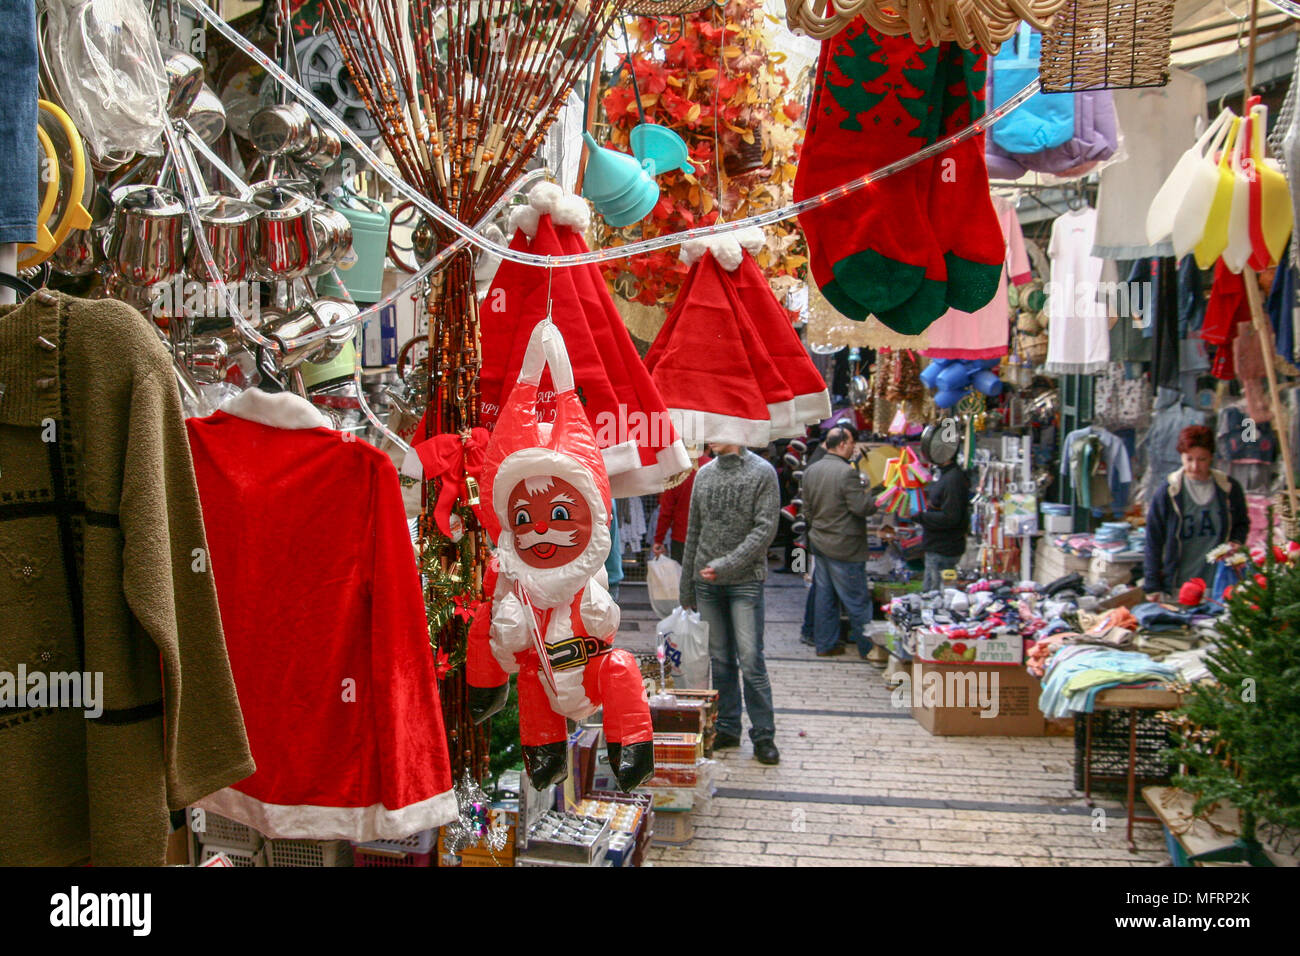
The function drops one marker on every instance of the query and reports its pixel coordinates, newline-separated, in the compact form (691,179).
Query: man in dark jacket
(944,523)
(837,503)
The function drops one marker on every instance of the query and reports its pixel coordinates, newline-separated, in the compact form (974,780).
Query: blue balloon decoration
(988,383)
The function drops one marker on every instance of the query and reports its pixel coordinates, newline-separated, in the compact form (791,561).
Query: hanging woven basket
(667,8)
(1107,45)
(744,158)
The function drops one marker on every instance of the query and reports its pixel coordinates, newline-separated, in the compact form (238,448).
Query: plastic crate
(238,856)
(308,853)
(421,842)
(224,831)
(1110,750)
(368,856)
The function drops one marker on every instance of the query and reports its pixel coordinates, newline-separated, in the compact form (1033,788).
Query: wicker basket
(667,8)
(1107,44)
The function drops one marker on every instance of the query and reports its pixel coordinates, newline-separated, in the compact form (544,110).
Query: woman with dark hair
(1193,510)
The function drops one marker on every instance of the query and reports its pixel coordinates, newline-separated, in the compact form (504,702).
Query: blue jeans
(19,169)
(734,613)
(846,580)
(935,565)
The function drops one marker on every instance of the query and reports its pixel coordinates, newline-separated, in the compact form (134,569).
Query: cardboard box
(937,648)
(1055,524)
(678,748)
(976,700)
(680,715)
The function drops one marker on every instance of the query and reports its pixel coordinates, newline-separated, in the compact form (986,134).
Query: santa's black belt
(574,652)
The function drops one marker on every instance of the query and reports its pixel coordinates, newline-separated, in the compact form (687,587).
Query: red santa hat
(642,449)
(702,366)
(523,449)
(812,400)
(711,360)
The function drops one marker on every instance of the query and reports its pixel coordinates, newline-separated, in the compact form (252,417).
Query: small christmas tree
(1239,736)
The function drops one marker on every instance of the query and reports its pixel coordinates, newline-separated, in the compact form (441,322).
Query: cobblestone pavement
(861,783)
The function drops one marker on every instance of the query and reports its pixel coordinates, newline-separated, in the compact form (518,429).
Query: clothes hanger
(20,286)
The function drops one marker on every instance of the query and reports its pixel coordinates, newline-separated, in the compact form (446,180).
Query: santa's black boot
(633,764)
(547,764)
(486,701)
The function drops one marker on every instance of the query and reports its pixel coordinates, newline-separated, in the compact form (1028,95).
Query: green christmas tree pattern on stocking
(880,99)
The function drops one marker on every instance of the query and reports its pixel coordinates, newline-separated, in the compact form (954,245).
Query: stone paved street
(861,783)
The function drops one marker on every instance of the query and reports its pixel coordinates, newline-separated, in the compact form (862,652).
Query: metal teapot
(147,242)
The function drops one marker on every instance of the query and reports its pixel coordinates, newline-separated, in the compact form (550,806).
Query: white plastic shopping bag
(685,637)
(663,577)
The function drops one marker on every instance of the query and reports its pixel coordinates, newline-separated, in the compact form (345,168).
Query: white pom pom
(524,218)
(573,211)
(546,197)
(728,249)
(728,252)
(751,239)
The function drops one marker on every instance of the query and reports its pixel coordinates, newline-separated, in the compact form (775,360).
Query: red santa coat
(325,627)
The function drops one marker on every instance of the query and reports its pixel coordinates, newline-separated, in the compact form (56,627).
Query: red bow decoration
(454,458)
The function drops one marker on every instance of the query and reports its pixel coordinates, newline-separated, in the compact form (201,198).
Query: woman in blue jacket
(1193,510)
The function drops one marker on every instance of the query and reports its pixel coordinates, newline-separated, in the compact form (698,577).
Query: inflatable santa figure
(546,502)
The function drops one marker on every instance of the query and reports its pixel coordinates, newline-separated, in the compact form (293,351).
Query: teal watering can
(364,277)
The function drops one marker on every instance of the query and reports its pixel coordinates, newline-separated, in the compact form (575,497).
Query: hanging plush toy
(546,502)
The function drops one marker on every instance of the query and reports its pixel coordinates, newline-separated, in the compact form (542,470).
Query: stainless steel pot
(333,237)
(321,315)
(184,82)
(147,243)
(284,237)
(229,225)
(281,129)
(207,115)
(323,150)
(207,357)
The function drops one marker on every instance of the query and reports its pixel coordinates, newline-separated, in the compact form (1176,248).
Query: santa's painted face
(550,520)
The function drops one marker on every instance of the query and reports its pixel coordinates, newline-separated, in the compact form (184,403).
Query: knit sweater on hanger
(103,569)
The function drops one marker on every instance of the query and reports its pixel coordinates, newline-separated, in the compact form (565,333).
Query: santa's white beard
(552,587)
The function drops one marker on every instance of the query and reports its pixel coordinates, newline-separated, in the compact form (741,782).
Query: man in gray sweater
(837,504)
(733,515)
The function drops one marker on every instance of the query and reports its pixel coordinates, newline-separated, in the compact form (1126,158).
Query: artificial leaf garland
(723,92)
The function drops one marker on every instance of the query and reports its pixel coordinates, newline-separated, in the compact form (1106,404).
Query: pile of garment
(1082,650)
(1076,673)
(1116,540)
(985,609)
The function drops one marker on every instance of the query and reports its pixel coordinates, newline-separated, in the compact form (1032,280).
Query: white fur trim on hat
(726,248)
(565,209)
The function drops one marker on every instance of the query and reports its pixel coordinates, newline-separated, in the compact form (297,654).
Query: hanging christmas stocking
(872,108)
(960,209)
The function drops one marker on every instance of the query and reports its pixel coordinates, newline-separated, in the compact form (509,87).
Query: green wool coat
(103,569)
